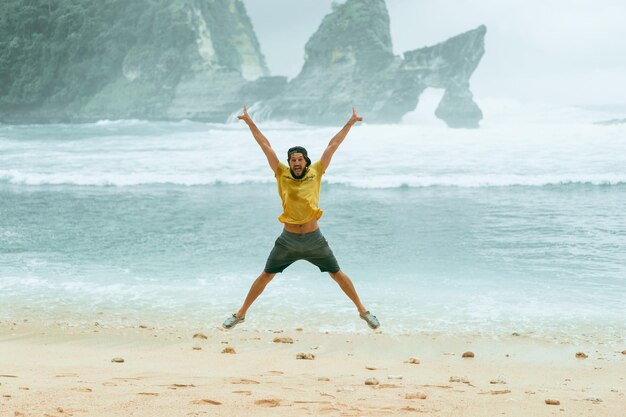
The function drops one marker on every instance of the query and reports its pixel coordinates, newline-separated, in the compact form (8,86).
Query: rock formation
(349,61)
(200,60)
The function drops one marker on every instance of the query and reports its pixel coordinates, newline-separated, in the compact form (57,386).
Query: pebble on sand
(553,402)
(323,378)
(394,376)
(143,326)
(117,360)
(371,381)
(229,350)
(283,340)
(197,348)
(200,336)
(623,352)
(307,356)
(415,396)
(413,361)
(468,354)
(581,355)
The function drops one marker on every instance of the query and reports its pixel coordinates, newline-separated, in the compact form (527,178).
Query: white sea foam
(371,157)
(382,182)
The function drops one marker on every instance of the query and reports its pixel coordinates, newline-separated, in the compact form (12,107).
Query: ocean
(507,228)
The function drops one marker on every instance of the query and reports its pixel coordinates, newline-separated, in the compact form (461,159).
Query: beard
(298,177)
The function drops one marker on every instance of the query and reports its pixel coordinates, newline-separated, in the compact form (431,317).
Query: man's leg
(346,285)
(255,290)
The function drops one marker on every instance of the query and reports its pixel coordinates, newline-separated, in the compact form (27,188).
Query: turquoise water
(493,231)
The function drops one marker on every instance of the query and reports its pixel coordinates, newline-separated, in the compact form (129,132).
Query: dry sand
(63,371)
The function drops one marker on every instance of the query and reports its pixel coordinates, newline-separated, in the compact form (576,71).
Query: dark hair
(298,149)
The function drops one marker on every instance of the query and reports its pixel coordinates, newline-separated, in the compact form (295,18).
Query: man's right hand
(245,116)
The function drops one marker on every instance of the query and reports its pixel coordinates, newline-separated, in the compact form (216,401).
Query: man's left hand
(355,117)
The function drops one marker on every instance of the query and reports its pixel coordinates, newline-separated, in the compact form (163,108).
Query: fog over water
(558,52)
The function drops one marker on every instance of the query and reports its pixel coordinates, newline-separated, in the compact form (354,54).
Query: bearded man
(299,187)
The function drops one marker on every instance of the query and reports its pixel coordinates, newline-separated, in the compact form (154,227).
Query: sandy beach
(60,370)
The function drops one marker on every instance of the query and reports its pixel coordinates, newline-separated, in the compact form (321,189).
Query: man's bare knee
(337,276)
(266,276)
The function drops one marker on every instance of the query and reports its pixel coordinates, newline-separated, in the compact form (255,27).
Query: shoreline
(60,370)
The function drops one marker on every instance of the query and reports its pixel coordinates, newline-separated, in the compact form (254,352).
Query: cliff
(151,59)
(199,59)
(349,61)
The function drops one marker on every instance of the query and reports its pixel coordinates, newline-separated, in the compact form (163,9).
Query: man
(299,188)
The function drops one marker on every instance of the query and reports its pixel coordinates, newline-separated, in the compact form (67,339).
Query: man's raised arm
(261,140)
(338,138)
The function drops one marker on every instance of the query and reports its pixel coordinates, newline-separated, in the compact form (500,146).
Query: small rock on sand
(581,355)
(394,376)
(413,361)
(143,326)
(623,352)
(553,402)
(497,380)
(323,378)
(229,350)
(468,354)
(283,340)
(117,360)
(197,348)
(299,329)
(371,381)
(200,336)
(370,368)
(415,396)
(459,379)
(307,356)
(60,410)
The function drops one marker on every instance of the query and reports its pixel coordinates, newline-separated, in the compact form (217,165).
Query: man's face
(297,163)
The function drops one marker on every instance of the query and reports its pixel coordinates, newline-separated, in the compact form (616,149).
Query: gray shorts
(291,247)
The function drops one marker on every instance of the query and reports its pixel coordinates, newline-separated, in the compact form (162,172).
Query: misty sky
(556,51)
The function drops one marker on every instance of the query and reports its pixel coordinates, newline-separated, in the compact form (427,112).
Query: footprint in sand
(82,389)
(206,402)
(175,386)
(328,409)
(244,381)
(271,402)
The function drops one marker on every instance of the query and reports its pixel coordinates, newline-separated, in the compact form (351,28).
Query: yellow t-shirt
(300,197)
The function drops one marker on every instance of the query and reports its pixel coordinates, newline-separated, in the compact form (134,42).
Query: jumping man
(299,188)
